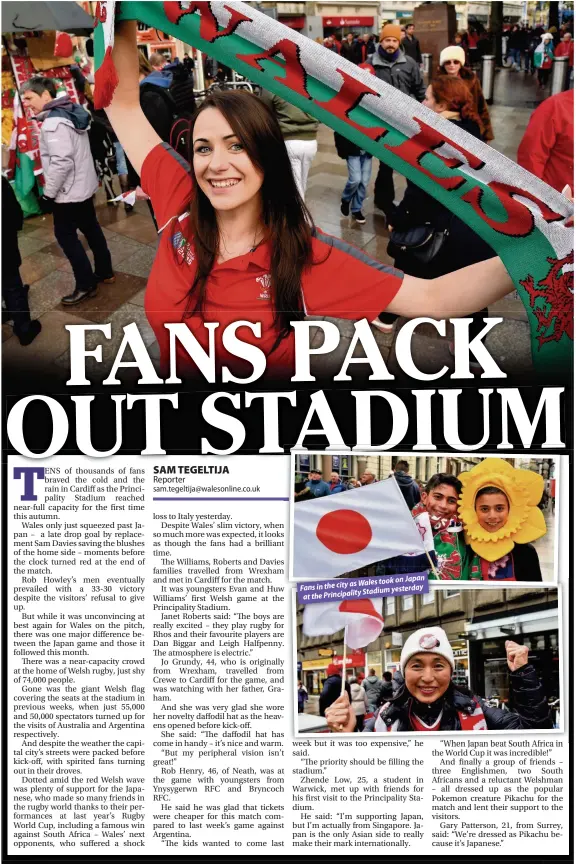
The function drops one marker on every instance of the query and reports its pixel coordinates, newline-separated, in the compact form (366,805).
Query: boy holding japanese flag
(437,520)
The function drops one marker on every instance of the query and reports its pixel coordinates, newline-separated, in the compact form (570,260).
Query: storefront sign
(297,22)
(358,658)
(314,664)
(337,21)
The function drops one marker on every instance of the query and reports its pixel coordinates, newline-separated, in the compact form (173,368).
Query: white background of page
(273,473)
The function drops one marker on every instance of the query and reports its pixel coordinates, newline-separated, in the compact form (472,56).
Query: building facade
(367,16)
(350,465)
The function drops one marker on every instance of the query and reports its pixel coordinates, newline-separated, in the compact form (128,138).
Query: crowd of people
(467,529)
(251,194)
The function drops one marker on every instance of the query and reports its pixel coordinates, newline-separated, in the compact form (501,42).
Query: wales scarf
(518,215)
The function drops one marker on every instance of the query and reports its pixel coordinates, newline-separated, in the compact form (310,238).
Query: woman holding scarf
(237,242)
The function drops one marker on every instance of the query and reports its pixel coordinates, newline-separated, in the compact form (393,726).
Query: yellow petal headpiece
(523,489)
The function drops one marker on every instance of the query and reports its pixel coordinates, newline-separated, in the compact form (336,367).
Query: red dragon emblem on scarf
(449,567)
(557,291)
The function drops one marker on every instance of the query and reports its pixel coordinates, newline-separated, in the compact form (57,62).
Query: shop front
(152,41)
(313,672)
(374,661)
(538,631)
(461,676)
(355,663)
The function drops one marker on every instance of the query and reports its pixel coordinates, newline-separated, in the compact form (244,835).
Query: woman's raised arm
(134,132)
(453,295)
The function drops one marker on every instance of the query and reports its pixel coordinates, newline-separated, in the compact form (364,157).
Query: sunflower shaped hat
(523,489)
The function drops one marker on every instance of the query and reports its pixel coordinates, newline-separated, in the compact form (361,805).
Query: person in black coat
(461,246)
(411,45)
(14,292)
(332,689)
(351,49)
(409,488)
(386,689)
(430,702)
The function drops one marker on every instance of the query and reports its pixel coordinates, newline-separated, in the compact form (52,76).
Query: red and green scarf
(518,215)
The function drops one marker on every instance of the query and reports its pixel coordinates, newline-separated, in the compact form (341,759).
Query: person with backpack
(182,88)
(70,182)
(156,100)
(373,687)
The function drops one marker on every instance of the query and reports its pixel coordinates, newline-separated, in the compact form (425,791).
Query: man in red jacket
(547,148)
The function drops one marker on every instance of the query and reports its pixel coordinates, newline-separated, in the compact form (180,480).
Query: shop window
(302,467)
(345,466)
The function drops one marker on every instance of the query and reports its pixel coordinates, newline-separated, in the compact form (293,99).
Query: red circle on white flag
(344,531)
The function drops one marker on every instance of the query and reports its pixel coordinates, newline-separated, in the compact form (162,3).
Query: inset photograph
(477,519)
(445,661)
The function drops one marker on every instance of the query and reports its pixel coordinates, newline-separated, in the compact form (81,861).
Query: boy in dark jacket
(411,45)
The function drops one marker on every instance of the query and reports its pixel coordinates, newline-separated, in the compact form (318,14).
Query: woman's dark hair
(490,490)
(456,95)
(286,219)
(387,676)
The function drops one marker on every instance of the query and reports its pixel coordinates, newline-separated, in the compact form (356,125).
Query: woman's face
(222,167)
(452,67)
(430,102)
(427,677)
(492,510)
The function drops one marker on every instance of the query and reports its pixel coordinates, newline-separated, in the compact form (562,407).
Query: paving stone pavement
(132,240)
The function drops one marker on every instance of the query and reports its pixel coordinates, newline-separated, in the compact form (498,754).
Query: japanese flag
(362,618)
(343,532)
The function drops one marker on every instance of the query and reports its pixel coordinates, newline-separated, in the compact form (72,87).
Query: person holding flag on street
(437,519)
(429,701)
(440,501)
